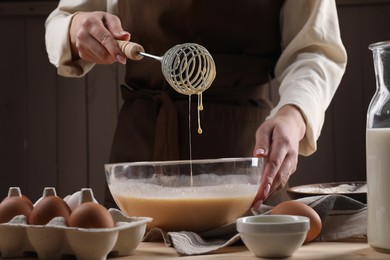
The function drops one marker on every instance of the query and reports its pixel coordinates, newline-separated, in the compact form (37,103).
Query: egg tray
(55,239)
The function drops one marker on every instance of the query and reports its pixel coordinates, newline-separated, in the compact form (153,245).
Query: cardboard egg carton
(55,239)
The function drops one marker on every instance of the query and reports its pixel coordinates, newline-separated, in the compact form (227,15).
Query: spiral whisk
(188,68)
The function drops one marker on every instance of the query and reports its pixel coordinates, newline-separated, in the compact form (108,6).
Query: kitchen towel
(342,218)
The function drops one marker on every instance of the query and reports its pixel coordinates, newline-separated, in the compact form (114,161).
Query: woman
(295,43)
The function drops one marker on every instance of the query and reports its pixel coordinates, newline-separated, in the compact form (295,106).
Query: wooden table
(314,250)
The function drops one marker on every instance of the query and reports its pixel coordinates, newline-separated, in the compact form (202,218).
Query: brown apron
(244,39)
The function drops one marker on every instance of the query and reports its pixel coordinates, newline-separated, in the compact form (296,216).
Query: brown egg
(91,215)
(298,208)
(14,206)
(28,199)
(48,208)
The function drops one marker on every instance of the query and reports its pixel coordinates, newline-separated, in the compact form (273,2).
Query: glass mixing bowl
(195,195)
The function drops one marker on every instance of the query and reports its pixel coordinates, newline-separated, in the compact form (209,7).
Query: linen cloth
(342,218)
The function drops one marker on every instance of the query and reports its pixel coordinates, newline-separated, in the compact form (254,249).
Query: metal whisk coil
(189,68)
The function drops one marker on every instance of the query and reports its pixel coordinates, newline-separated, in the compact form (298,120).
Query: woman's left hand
(277,139)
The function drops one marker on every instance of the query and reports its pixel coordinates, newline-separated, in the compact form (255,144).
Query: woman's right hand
(93,35)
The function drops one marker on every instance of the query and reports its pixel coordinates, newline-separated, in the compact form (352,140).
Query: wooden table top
(314,250)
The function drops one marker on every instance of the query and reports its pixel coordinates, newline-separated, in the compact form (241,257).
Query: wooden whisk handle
(131,49)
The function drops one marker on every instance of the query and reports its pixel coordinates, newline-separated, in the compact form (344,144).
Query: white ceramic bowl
(273,235)
(195,195)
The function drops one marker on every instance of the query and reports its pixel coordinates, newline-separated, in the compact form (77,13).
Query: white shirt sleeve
(312,63)
(57,35)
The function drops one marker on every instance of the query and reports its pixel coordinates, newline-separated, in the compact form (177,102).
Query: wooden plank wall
(57,131)
(54,131)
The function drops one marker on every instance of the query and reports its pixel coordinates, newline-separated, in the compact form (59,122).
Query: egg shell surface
(14,206)
(91,215)
(298,208)
(48,208)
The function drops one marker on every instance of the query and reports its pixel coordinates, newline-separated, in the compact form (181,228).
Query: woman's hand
(92,37)
(277,139)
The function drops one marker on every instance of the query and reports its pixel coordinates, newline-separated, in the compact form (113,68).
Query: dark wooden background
(57,131)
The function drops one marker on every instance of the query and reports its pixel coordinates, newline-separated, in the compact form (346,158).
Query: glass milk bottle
(378,152)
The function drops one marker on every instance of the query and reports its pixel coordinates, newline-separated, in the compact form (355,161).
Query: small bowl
(273,236)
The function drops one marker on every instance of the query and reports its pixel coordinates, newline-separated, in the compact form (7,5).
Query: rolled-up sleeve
(312,63)
(57,35)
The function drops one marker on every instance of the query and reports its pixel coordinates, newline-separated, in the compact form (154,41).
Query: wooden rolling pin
(132,50)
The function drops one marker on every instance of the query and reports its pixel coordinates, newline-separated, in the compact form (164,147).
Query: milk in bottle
(378,152)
